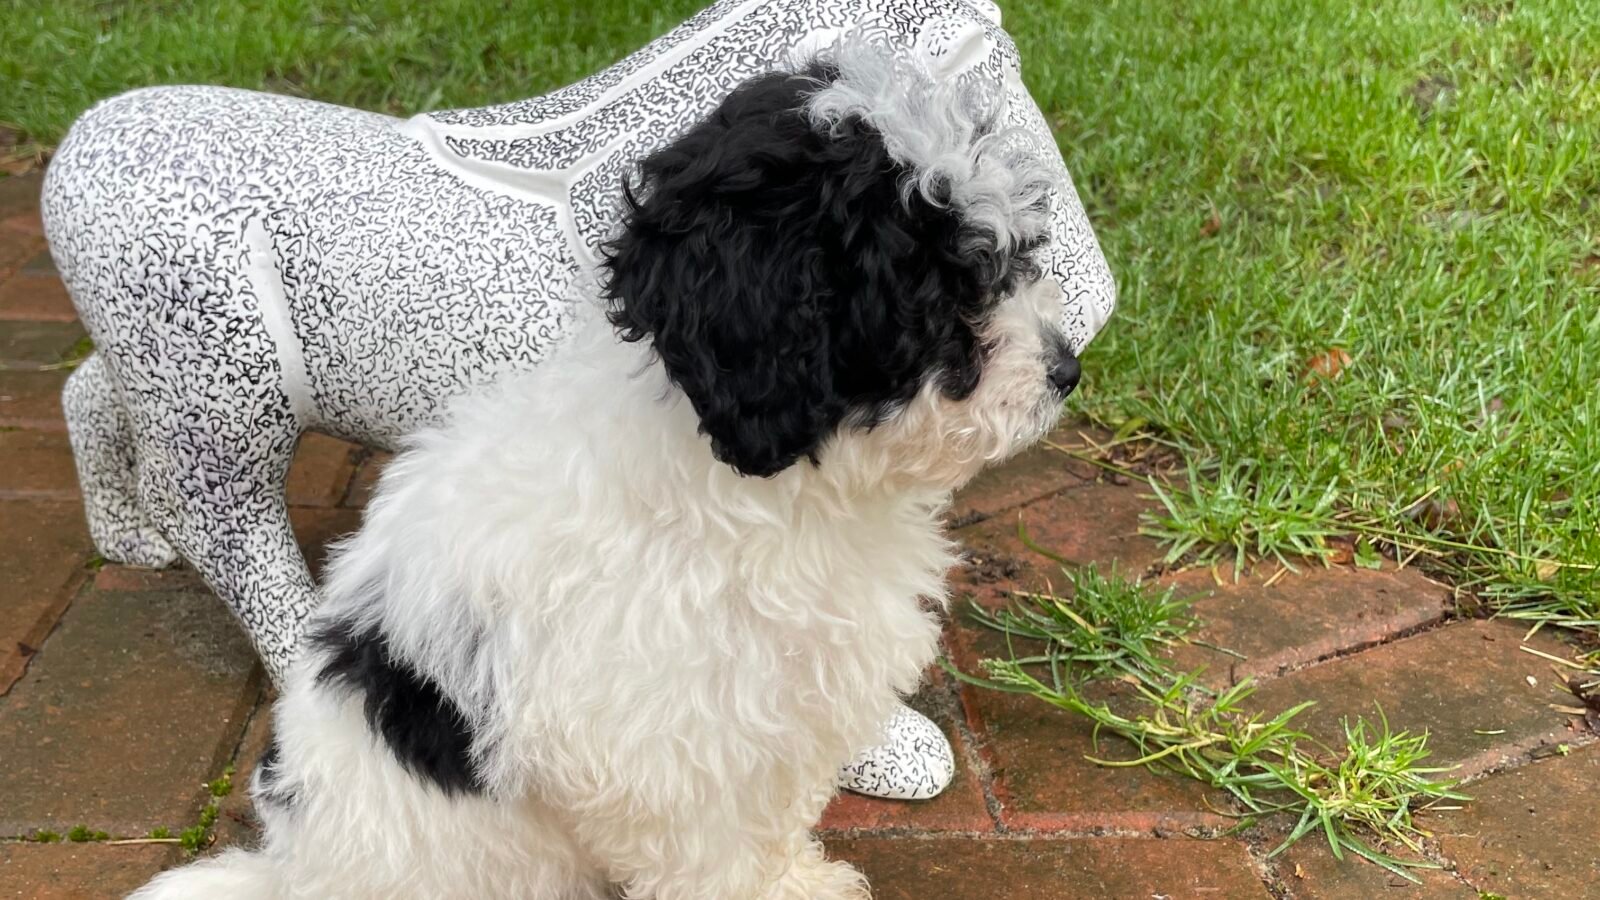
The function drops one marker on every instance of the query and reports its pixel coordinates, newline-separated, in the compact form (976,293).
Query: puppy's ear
(789,278)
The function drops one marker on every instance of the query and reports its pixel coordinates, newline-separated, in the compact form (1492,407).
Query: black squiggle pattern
(252,267)
(914,761)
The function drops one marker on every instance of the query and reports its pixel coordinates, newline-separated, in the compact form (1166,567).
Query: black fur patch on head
(422,727)
(787,283)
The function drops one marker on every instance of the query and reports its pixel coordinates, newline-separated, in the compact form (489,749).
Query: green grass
(82,834)
(389,55)
(1241,511)
(1413,183)
(1110,627)
(1407,187)
(1360,797)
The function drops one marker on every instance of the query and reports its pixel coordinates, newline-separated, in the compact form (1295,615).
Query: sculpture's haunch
(252,267)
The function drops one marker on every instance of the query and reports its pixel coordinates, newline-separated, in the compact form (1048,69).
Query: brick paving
(124,691)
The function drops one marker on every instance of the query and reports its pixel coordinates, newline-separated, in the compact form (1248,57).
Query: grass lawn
(1357,243)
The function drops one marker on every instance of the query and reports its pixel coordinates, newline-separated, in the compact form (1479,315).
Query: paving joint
(950,691)
(76,584)
(975,517)
(1445,619)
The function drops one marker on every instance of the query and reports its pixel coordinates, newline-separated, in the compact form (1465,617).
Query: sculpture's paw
(914,762)
(145,548)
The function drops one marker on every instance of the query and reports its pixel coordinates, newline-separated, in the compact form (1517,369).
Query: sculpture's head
(854,262)
(962,46)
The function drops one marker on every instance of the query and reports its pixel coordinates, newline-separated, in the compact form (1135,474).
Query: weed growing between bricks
(1360,797)
(1210,516)
(198,836)
(78,834)
(193,839)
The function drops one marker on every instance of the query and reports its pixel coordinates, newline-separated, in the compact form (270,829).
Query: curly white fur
(662,663)
(950,136)
(665,662)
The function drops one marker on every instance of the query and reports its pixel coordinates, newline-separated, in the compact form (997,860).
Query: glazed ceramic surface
(252,267)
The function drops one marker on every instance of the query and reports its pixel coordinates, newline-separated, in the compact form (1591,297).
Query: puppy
(614,626)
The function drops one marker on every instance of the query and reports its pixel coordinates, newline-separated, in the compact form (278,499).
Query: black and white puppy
(615,626)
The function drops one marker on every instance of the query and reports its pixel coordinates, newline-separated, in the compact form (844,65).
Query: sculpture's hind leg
(220,499)
(216,423)
(103,449)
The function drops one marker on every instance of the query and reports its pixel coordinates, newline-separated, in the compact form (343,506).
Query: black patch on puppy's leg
(269,784)
(424,729)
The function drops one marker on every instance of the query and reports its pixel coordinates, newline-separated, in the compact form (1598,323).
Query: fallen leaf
(1327,364)
(1341,551)
(1212,225)
(1434,513)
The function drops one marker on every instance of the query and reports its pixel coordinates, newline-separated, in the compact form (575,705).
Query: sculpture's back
(251,266)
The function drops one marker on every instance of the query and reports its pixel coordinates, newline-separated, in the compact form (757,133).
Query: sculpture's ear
(786,280)
(987,8)
(952,46)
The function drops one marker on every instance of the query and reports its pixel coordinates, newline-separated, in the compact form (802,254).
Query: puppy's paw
(814,877)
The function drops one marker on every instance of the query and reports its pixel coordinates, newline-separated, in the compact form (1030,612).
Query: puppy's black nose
(1064,373)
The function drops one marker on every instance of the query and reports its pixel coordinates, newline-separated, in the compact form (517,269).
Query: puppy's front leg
(790,869)
(811,874)
(740,841)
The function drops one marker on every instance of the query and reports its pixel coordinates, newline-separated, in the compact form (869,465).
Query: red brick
(1530,832)
(19,242)
(1042,777)
(321,471)
(32,345)
(366,478)
(38,465)
(43,548)
(179,577)
(34,296)
(131,705)
(1037,472)
(68,871)
(961,807)
(237,825)
(32,400)
(19,194)
(315,528)
(1086,868)
(1309,871)
(1299,619)
(42,263)
(28,222)
(1455,682)
(1094,524)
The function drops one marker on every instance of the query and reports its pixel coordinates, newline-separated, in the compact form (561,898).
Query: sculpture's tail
(235,875)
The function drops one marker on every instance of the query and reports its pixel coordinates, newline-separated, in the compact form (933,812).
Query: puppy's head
(841,259)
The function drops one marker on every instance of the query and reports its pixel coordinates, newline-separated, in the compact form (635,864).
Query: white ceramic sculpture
(252,267)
